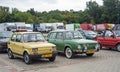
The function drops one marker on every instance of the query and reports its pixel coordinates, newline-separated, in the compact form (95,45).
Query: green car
(72,42)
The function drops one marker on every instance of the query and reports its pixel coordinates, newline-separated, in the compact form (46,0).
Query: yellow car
(29,46)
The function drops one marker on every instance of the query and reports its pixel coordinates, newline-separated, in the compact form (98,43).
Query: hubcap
(118,47)
(68,52)
(26,58)
(9,54)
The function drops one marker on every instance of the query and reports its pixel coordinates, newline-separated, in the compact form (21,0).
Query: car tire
(10,54)
(118,47)
(100,46)
(69,53)
(27,58)
(90,54)
(52,59)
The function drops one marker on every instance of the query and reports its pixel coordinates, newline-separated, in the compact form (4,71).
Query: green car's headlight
(34,49)
(79,47)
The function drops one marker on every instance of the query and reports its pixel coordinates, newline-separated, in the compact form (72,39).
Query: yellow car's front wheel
(27,58)
(52,59)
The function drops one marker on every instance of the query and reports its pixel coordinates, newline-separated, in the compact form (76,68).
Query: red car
(109,39)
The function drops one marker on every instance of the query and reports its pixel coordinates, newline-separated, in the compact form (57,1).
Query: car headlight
(34,49)
(54,48)
(79,47)
(85,46)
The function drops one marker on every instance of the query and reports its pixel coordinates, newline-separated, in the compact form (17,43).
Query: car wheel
(68,53)
(90,54)
(100,46)
(118,47)
(27,59)
(52,59)
(10,54)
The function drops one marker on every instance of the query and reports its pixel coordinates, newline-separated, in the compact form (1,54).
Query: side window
(59,36)
(52,35)
(13,37)
(18,38)
(108,34)
(68,35)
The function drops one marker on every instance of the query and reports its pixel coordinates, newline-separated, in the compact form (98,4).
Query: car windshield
(5,34)
(89,32)
(33,37)
(74,35)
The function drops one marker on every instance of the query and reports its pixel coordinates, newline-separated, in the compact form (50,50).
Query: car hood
(38,44)
(84,41)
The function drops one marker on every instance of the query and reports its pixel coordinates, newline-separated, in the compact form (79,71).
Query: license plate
(47,55)
(90,51)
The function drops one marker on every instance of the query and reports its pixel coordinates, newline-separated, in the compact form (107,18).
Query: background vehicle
(86,26)
(29,27)
(20,27)
(88,34)
(72,27)
(57,26)
(36,28)
(109,39)
(4,37)
(116,27)
(29,46)
(72,42)
(45,27)
(7,27)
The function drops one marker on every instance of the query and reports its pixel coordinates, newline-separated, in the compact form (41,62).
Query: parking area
(103,61)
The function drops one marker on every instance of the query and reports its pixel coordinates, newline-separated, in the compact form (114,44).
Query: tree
(94,11)
(4,13)
(110,11)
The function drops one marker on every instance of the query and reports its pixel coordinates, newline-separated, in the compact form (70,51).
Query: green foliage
(109,12)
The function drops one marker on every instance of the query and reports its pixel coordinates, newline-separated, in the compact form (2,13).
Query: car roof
(25,32)
(63,31)
(59,30)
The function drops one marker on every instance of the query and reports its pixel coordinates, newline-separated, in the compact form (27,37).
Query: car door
(101,38)
(110,39)
(59,41)
(19,44)
(11,43)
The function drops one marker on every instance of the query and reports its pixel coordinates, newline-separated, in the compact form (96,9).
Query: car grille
(89,46)
(44,50)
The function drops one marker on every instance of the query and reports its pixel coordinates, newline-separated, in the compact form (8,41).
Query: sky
(47,5)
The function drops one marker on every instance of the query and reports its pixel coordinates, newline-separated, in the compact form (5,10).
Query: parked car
(88,34)
(71,43)
(109,39)
(29,46)
(4,37)
(116,27)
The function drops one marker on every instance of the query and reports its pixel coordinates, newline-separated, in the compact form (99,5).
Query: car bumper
(85,51)
(39,56)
